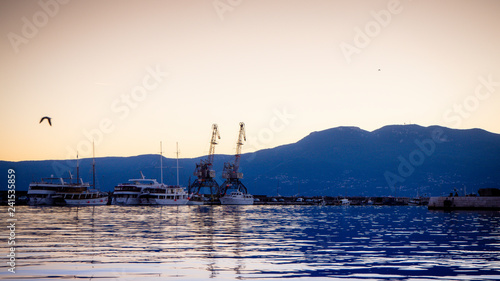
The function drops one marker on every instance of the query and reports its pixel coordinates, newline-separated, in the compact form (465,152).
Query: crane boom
(230,172)
(241,137)
(213,142)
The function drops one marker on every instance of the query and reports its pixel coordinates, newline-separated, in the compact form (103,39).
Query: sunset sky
(130,74)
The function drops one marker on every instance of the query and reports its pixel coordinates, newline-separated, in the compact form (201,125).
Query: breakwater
(291,200)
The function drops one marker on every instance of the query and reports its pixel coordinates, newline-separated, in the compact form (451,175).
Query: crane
(230,172)
(213,142)
(204,172)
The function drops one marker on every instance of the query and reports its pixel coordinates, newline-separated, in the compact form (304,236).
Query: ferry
(237,198)
(80,195)
(130,193)
(164,195)
(43,192)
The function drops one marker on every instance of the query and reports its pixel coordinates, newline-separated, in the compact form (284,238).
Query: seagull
(48,119)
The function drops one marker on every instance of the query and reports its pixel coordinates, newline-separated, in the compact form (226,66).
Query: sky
(128,75)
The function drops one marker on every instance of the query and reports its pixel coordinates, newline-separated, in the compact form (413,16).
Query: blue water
(252,242)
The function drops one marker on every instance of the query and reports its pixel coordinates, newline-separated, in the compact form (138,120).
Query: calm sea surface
(252,242)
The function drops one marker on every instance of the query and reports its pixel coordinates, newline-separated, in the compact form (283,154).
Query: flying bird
(48,120)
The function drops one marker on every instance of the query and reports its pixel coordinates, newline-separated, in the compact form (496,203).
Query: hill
(393,160)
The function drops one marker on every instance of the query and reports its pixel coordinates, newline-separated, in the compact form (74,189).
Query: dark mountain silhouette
(394,160)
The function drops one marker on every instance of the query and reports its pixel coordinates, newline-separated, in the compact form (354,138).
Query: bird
(48,119)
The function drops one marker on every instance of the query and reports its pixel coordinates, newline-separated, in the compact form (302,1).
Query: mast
(77,169)
(177,148)
(161,164)
(93,165)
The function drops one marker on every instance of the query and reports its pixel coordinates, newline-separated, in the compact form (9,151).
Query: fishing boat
(237,198)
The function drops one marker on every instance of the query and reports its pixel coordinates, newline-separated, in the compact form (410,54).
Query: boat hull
(125,201)
(87,202)
(171,202)
(236,201)
(37,201)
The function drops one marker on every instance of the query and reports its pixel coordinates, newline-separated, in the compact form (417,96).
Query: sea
(250,243)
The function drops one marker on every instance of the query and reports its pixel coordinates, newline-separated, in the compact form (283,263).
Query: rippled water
(253,242)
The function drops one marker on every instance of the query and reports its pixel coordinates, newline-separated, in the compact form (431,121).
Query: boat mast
(93,165)
(161,164)
(77,169)
(177,153)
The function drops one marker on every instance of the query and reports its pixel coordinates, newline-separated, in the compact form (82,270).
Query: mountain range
(397,160)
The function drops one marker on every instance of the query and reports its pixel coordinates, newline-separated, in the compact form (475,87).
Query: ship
(43,192)
(155,193)
(237,198)
(129,193)
(80,195)
(164,195)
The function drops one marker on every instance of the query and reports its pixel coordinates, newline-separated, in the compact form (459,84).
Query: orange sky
(129,74)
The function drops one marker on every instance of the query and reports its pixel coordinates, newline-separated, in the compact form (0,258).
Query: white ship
(196,199)
(237,198)
(80,195)
(129,193)
(164,195)
(161,194)
(42,193)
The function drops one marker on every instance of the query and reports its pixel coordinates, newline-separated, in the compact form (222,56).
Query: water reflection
(248,242)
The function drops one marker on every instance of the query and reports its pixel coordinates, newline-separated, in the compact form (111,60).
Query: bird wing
(48,119)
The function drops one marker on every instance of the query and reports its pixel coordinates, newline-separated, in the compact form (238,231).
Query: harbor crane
(231,172)
(204,172)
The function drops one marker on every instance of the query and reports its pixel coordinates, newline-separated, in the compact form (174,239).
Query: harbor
(205,190)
